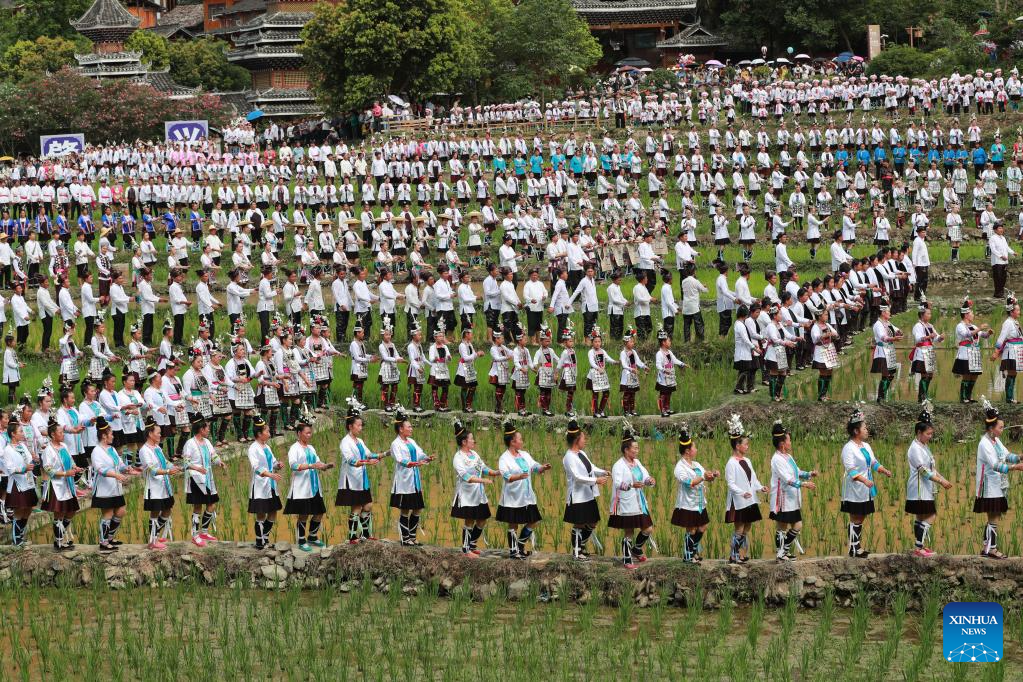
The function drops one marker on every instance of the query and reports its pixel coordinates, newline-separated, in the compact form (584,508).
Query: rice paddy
(227,633)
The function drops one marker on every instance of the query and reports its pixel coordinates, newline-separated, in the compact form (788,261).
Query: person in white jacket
(305,496)
(472,476)
(158,498)
(353,485)
(665,362)
(690,510)
(994,462)
(858,486)
(786,496)
(920,485)
(742,504)
(517,506)
(60,496)
(200,486)
(630,510)
(407,486)
(583,480)
(112,473)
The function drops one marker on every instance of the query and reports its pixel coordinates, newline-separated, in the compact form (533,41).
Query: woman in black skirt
(353,486)
(994,462)
(583,478)
(264,500)
(407,488)
(60,496)
(472,476)
(305,497)
(630,510)
(920,486)
(517,506)
(158,498)
(786,499)
(858,486)
(742,508)
(691,503)
(201,488)
(21,483)
(108,490)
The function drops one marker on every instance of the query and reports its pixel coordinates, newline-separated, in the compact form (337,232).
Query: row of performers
(763,341)
(517,508)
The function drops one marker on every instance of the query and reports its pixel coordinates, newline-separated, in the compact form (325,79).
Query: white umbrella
(647,69)
(802,56)
(758,62)
(782,60)
(397,100)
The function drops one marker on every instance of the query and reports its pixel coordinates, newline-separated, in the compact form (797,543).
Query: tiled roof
(182,15)
(692,36)
(243,6)
(106,14)
(632,11)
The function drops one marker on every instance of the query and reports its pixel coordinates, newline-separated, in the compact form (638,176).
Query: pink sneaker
(162,542)
(82,492)
(923,552)
(631,567)
(198,541)
(156,546)
(207,537)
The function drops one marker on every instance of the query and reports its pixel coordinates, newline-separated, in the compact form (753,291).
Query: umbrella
(632,61)
(744,62)
(647,69)
(802,56)
(714,63)
(397,100)
(857,58)
(757,62)
(6,158)
(843,58)
(782,60)
(253,115)
(626,69)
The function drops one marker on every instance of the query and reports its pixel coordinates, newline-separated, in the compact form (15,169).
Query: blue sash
(314,479)
(270,466)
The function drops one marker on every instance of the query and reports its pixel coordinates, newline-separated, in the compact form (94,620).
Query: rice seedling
(237,631)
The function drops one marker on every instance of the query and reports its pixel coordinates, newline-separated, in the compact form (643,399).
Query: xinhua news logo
(972,632)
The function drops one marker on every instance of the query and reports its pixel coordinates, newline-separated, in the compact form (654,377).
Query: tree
(41,18)
(203,63)
(547,40)
(900,60)
(153,47)
(361,49)
(28,59)
(104,110)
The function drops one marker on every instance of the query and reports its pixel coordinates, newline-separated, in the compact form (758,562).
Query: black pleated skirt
(55,506)
(982,505)
(750,514)
(270,504)
(352,498)
(921,507)
(688,518)
(857,508)
(307,506)
(157,504)
(23,499)
(518,515)
(405,501)
(196,496)
(629,521)
(582,513)
(794,516)
(478,512)
(115,502)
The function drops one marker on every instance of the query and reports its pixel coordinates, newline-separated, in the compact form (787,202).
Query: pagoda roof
(268,36)
(108,58)
(282,95)
(694,35)
(605,12)
(106,20)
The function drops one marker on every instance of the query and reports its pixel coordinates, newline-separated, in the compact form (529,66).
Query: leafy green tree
(203,63)
(31,19)
(154,48)
(900,60)
(547,41)
(29,59)
(361,49)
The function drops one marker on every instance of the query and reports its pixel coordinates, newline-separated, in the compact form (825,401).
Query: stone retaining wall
(544,577)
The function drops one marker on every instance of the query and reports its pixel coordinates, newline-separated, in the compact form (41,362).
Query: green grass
(170,633)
